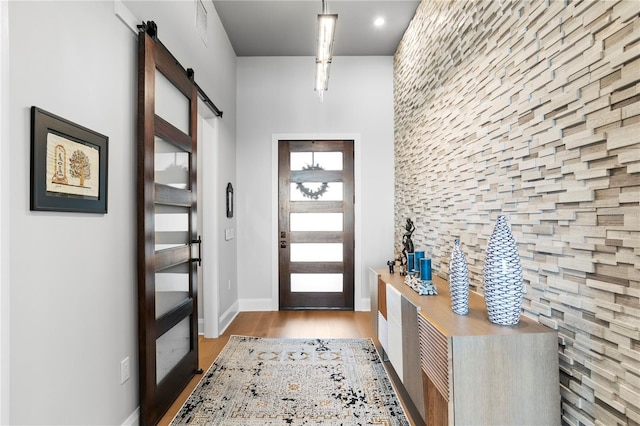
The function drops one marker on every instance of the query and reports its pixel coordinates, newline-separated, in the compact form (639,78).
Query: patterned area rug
(261,381)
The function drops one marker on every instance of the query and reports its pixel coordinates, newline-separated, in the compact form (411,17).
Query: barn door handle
(199,257)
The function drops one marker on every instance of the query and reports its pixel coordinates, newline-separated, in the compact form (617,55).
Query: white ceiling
(289,27)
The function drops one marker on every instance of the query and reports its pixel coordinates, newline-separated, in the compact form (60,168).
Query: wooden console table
(464,370)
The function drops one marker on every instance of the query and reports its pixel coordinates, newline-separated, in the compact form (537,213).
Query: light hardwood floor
(313,324)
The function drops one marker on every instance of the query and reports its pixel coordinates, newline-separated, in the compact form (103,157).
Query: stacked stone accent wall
(532,110)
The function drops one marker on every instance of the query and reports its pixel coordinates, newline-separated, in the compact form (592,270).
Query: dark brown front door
(167,274)
(316,224)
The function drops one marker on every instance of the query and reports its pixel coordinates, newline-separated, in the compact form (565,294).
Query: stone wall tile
(623,137)
(531,109)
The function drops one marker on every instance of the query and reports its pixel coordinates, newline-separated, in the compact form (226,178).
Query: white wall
(4,214)
(72,277)
(276,97)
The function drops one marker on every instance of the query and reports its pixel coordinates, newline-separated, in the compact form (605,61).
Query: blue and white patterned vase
(502,275)
(458,280)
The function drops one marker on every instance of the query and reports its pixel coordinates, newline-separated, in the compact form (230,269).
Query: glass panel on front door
(325,160)
(316,252)
(318,283)
(327,191)
(316,222)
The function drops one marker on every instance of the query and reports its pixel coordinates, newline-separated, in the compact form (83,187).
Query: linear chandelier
(326,32)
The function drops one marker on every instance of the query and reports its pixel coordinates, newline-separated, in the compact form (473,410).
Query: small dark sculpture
(403,269)
(390,264)
(406,240)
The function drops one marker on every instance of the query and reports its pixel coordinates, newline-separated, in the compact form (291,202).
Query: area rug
(266,381)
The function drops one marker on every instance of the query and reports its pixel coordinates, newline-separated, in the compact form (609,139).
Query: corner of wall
(133,419)
(251,305)
(228,316)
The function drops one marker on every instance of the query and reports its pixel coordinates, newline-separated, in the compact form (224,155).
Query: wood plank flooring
(313,324)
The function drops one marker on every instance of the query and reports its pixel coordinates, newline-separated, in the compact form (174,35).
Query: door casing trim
(359,302)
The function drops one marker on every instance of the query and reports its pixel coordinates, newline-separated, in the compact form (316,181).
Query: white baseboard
(223,321)
(250,305)
(133,419)
(228,316)
(253,305)
(365,305)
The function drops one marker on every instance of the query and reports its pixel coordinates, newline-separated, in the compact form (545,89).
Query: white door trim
(208,193)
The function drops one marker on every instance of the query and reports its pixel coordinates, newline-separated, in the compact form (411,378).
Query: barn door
(167,236)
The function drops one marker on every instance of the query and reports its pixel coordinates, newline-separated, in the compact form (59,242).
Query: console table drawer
(434,355)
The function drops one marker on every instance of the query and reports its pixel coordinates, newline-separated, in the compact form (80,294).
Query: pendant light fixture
(326,32)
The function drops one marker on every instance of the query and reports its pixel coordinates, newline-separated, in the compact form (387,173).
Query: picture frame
(69,165)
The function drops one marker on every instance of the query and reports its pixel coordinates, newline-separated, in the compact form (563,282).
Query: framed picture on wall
(68,165)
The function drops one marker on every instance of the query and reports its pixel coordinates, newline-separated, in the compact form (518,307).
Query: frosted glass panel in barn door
(316,224)
(172,168)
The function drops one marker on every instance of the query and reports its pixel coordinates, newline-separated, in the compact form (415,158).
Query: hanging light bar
(326,32)
(322,76)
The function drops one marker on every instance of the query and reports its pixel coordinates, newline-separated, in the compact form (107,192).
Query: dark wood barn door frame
(156,395)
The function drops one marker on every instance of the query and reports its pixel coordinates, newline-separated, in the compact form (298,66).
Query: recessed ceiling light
(378,22)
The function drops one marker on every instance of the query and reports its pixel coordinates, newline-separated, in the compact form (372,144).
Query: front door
(316,224)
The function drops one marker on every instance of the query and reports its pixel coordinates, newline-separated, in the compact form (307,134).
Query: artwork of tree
(80,166)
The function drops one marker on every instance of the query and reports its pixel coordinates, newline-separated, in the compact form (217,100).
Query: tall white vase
(458,280)
(502,275)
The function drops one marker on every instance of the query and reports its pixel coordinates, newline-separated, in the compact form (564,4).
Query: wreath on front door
(309,193)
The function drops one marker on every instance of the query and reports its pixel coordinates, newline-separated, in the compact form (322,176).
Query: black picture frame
(69,165)
(229,200)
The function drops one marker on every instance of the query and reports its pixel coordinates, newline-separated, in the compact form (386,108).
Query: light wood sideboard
(464,370)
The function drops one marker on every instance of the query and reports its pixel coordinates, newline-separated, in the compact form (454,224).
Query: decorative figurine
(403,269)
(407,244)
(390,264)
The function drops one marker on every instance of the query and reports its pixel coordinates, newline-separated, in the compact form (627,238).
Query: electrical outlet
(124,370)
(229,285)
